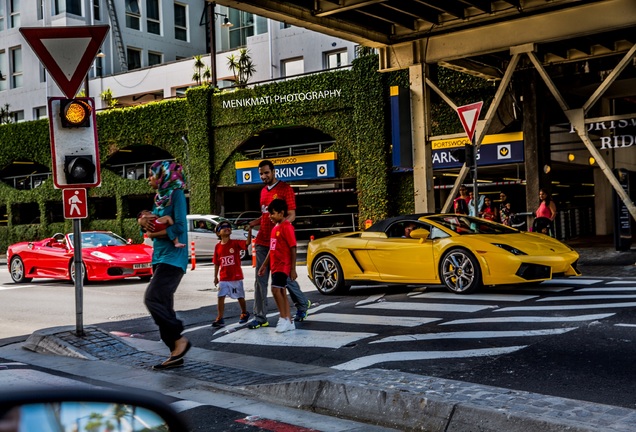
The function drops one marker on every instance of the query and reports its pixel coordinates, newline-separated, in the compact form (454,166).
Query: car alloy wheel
(328,276)
(460,271)
(17,270)
(72,272)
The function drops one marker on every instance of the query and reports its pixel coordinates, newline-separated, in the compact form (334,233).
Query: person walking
(281,259)
(169,263)
(228,275)
(273,189)
(547,210)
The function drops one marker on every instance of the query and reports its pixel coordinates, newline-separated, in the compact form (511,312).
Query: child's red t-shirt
(227,257)
(282,240)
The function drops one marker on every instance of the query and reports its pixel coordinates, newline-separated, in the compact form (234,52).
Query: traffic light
(75,113)
(464,155)
(74,146)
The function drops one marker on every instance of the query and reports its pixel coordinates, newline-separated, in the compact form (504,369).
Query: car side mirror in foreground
(85,409)
(420,233)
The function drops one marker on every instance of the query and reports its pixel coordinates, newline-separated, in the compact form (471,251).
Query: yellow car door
(403,260)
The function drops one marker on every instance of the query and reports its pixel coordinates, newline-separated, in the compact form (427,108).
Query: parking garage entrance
(325,202)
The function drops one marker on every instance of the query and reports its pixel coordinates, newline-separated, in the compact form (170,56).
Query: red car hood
(128,253)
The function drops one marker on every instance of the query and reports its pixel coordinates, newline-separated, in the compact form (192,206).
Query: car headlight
(102,255)
(513,250)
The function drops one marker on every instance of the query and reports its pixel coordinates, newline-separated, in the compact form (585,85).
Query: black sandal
(169,364)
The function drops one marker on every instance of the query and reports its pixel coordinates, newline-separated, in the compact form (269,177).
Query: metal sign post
(79,277)
(469,115)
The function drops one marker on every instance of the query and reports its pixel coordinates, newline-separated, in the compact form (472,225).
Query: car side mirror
(420,233)
(73,409)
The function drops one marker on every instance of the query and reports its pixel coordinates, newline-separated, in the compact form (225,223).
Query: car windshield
(471,225)
(98,239)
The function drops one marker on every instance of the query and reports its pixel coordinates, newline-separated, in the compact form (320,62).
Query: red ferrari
(105,255)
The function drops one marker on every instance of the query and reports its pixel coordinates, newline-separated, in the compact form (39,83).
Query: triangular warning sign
(468,115)
(66,52)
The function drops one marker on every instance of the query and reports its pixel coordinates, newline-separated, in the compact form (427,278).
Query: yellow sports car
(461,252)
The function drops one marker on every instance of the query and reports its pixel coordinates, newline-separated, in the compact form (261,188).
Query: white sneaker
(281,326)
(290,325)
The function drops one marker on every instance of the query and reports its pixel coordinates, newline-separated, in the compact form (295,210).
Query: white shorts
(232,289)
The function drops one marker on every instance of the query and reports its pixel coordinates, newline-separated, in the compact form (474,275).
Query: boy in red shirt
(228,274)
(281,260)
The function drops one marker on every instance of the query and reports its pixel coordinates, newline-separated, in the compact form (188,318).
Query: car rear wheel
(328,276)
(71,271)
(17,270)
(460,271)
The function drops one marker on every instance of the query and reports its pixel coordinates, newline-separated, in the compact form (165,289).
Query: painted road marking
(400,321)
(572,307)
(370,299)
(588,297)
(371,360)
(296,338)
(621,282)
(474,335)
(485,297)
(625,325)
(571,281)
(428,307)
(610,289)
(529,319)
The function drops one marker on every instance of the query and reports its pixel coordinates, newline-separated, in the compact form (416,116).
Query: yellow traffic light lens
(75,113)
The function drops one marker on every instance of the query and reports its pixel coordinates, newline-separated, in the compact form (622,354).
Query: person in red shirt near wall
(273,189)
(281,260)
(228,275)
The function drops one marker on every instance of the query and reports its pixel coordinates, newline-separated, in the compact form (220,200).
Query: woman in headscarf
(169,262)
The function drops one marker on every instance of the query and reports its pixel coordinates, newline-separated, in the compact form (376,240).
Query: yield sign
(469,114)
(66,52)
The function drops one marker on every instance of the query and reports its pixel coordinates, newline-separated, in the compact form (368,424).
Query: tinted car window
(471,225)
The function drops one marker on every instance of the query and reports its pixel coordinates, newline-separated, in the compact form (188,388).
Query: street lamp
(212,28)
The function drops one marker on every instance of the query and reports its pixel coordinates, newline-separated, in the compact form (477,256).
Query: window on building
(336,59)
(180,22)
(242,29)
(3,67)
(40,5)
(103,208)
(17,116)
(74,7)
(25,213)
(154,58)
(3,216)
(284,25)
(39,112)
(42,70)
(99,66)
(15,13)
(97,12)
(133,15)
(2,15)
(16,67)
(293,66)
(152,14)
(54,211)
(134,58)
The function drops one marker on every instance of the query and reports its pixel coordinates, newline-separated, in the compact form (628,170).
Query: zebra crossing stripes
(572,281)
(568,307)
(401,356)
(427,307)
(587,297)
(370,299)
(298,338)
(398,321)
(472,297)
(474,335)
(621,282)
(529,319)
(611,289)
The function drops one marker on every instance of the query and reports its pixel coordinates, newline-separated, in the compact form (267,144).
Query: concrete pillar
(536,137)
(424,198)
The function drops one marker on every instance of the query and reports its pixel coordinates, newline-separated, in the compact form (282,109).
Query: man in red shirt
(273,189)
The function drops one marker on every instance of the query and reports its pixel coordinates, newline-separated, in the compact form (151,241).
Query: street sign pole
(79,277)
(469,115)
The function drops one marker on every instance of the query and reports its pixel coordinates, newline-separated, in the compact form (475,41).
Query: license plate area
(142,266)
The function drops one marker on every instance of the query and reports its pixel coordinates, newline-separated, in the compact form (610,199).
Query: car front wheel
(71,271)
(17,270)
(328,276)
(460,271)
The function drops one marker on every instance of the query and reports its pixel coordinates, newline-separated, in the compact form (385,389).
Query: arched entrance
(326,203)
